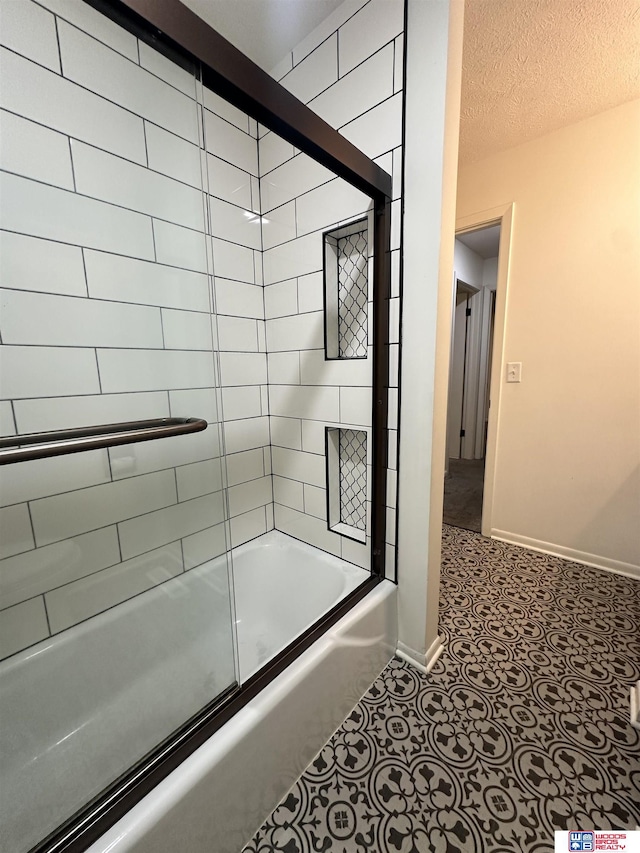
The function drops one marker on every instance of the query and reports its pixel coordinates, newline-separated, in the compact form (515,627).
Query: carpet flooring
(463,494)
(521,728)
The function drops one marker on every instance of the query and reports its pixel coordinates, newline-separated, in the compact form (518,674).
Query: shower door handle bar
(40,445)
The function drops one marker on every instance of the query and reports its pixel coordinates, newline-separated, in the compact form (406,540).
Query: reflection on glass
(116,621)
(162,258)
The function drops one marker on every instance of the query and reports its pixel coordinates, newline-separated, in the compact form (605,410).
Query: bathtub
(283,586)
(156,659)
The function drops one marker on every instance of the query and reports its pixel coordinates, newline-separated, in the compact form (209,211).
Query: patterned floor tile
(521,728)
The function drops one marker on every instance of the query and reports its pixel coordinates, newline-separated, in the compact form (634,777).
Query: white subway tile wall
(305,389)
(361,89)
(7,423)
(316,74)
(129,258)
(349,71)
(31,32)
(109,202)
(234,208)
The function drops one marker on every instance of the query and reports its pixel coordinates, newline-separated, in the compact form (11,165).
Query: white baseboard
(422,661)
(635,705)
(583,557)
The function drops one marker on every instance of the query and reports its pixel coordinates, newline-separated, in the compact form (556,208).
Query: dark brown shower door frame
(176,31)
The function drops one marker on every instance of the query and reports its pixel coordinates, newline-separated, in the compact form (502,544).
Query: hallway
(463,494)
(521,728)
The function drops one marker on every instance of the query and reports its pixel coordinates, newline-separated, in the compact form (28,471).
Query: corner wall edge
(422,661)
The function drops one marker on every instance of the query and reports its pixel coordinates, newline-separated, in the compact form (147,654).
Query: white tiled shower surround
(107,315)
(349,71)
(107,305)
(306,392)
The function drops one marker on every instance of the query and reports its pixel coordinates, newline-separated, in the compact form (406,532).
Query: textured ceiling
(529,66)
(533,66)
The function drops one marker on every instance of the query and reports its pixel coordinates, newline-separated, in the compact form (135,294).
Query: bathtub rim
(287,724)
(84,828)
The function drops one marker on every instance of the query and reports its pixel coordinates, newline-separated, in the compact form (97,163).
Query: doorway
(473,318)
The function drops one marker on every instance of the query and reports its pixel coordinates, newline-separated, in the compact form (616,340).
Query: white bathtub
(155,660)
(283,586)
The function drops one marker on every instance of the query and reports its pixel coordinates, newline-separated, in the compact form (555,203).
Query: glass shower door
(116,618)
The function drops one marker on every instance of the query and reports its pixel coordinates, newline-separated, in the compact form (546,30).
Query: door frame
(470,335)
(484,371)
(502,215)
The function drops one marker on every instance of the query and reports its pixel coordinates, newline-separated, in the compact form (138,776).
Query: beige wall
(568,448)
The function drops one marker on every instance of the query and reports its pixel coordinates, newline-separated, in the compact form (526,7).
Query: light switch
(514,371)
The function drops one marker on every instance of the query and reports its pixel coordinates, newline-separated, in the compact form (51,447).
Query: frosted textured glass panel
(346,273)
(347,482)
